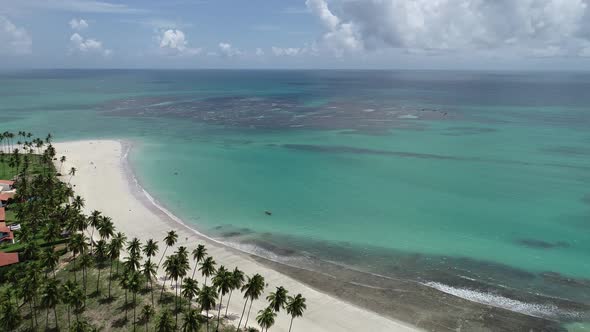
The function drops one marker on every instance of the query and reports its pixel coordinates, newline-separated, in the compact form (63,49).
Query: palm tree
(85,264)
(170,240)
(134,247)
(207,300)
(106,228)
(175,268)
(114,252)
(76,245)
(50,260)
(165,322)
(124,282)
(120,240)
(223,282)
(134,286)
(147,312)
(50,299)
(10,317)
(28,289)
(198,255)
(207,268)
(78,203)
(191,321)
(295,307)
(150,249)
(68,294)
(252,290)
(62,160)
(266,318)
(278,299)
(83,326)
(71,174)
(148,270)
(237,280)
(100,256)
(93,221)
(190,290)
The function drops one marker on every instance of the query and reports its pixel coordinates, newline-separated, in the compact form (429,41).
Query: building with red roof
(7,182)
(8,258)
(6,234)
(2,214)
(4,197)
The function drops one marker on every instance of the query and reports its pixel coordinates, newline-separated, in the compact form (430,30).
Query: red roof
(2,214)
(8,182)
(6,196)
(5,230)
(8,258)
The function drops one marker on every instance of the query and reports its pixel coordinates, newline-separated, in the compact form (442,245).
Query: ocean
(472,183)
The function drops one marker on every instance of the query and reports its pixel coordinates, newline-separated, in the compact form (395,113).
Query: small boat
(268,213)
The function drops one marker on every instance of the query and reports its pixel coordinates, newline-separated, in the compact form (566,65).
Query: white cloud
(227,50)
(295,51)
(173,42)
(259,52)
(13,40)
(78,24)
(88,45)
(288,51)
(449,25)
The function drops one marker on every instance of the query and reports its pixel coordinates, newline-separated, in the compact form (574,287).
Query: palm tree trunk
(125,304)
(161,258)
(32,316)
(162,292)
(152,290)
(55,315)
(219,311)
(229,299)
(110,278)
(242,316)
(208,320)
(68,316)
(248,315)
(291,324)
(47,320)
(98,279)
(134,305)
(195,270)
(176,302)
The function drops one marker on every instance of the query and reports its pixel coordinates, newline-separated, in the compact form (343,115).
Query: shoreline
(106,180)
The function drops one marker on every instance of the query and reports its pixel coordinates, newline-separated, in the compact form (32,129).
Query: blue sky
(417,34)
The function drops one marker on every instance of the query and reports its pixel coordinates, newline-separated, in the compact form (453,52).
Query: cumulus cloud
(259,52)
(449,25)
(87,45)
(288,51)
(173,42)
(78,24)
(227,50)
(13,40)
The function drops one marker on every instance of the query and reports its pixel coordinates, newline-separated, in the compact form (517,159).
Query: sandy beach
(104,179)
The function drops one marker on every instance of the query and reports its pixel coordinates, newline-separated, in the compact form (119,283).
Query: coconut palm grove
(74,272)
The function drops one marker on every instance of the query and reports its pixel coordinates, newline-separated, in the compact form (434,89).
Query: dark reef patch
(567,150)
(277,112)
(463,131)
(540,244)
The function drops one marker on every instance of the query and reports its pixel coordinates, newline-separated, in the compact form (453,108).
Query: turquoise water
(486,173)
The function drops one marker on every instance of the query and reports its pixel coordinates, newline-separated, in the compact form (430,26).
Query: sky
(295,34)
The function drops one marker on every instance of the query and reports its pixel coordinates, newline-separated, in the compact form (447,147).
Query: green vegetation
(68,282)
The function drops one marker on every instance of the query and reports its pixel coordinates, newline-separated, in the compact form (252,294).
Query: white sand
(103,180)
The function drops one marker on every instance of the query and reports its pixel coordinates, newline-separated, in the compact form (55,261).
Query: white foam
(530,309)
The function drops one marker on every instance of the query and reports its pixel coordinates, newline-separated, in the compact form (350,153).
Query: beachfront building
(6,235)
(8,258)
(6,185)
